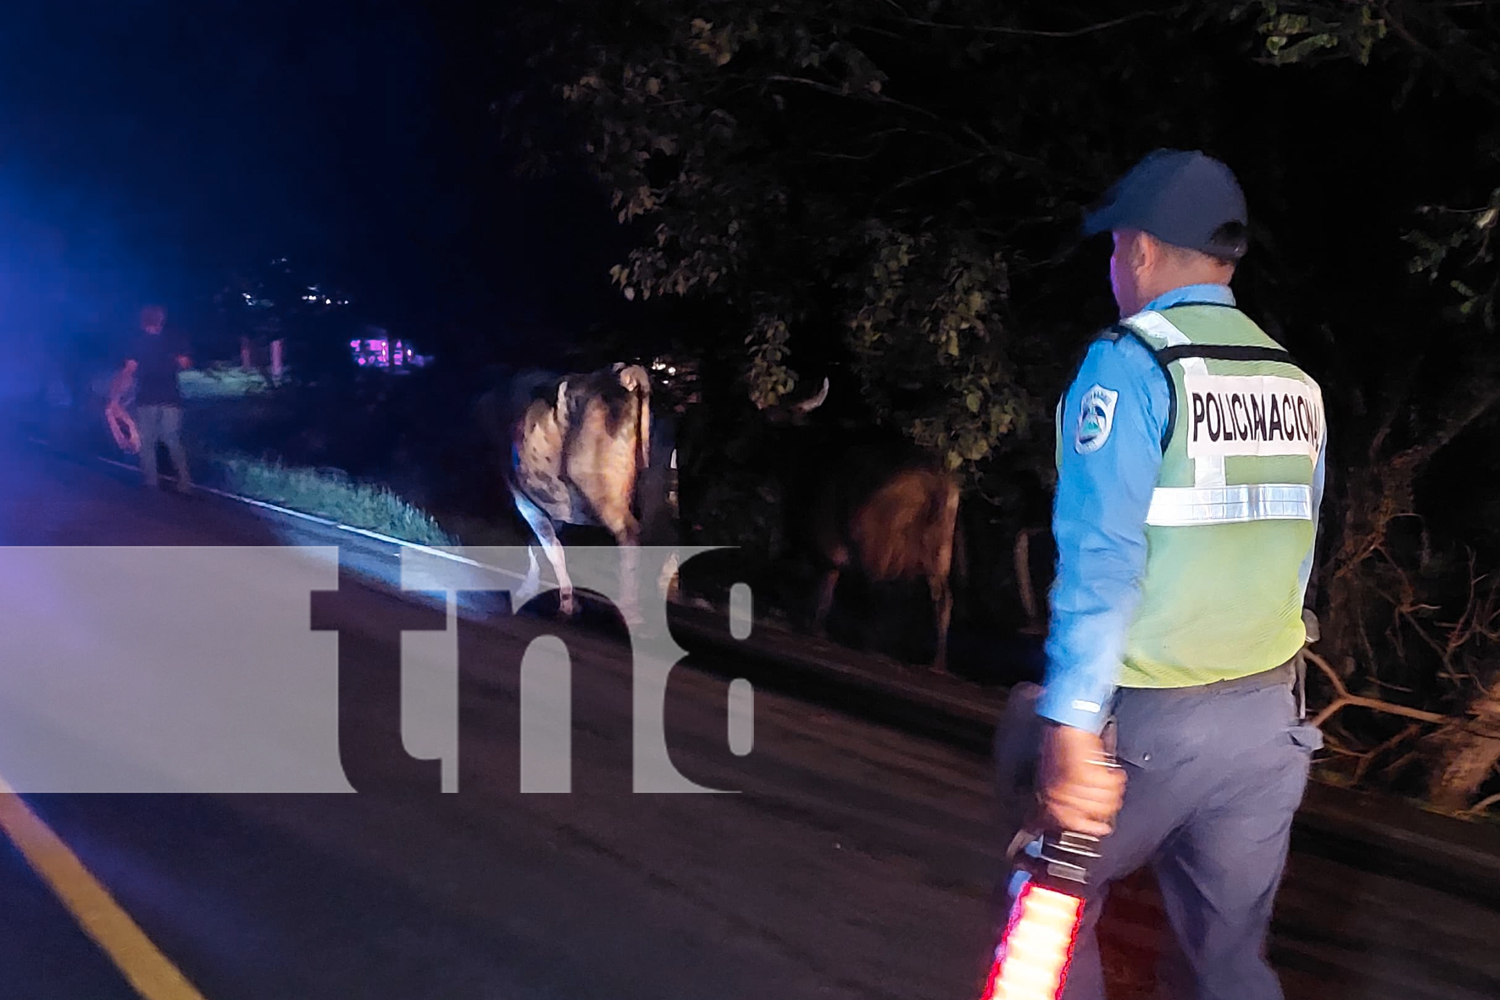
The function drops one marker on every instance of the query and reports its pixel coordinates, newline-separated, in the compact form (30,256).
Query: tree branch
(1481,805)
(1397,393)
(1368,757)
(1417,455)
(1399,28)
(996,29)
(1343,698)
(827,88)
(928,175)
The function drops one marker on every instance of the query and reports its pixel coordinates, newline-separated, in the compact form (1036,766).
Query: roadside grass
(222,390)
(325,493)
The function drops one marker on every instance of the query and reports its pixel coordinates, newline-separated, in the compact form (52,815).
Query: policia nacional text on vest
(1231,515)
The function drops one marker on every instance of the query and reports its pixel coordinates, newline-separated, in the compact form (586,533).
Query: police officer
(1190,461)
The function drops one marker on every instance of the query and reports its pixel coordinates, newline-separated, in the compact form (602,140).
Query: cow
(575,450)
(866,500)
(893,517)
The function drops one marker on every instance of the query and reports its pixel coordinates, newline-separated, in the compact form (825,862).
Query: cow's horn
(808,405)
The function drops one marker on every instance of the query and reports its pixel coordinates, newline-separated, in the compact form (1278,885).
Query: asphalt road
(856,862)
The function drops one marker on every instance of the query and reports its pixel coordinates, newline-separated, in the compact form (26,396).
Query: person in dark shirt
(152,365)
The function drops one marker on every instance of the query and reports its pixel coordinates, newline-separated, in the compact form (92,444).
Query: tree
(768,162)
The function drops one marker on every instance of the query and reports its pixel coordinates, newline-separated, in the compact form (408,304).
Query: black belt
(1284,673)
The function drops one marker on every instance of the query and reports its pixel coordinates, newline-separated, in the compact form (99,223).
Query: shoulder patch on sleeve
(1096,417)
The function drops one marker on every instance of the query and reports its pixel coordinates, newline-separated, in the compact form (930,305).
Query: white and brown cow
(579,446)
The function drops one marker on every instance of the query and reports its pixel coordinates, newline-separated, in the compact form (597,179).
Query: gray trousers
(162,425)
(1214,775)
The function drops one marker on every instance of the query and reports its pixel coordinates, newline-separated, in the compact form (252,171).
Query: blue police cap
(1181,198)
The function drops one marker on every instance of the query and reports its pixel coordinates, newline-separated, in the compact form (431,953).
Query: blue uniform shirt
(1099,519)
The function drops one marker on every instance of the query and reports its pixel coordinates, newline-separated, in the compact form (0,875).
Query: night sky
(146,148)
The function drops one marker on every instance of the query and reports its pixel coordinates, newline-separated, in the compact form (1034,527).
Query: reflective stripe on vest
(1180,506)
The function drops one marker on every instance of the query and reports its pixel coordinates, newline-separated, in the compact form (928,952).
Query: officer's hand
(1077,792)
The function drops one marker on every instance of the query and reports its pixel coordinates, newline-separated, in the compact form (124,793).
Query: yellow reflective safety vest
(1231,517)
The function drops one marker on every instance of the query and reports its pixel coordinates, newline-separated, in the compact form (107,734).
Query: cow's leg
(630,608)
(667,582)
(942,604)
(660,523)
(629,540)
(608,499)
(672,591)
(533,582)
(552,548)
(627,531)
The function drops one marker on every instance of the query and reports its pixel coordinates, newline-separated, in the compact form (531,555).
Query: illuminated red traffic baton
(1036,947)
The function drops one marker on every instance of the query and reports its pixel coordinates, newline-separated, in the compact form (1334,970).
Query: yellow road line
(141,962)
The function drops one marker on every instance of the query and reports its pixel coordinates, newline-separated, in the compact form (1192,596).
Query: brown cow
(883,508)
(903,527)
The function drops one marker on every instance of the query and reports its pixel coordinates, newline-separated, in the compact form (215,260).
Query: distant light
(672,371)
